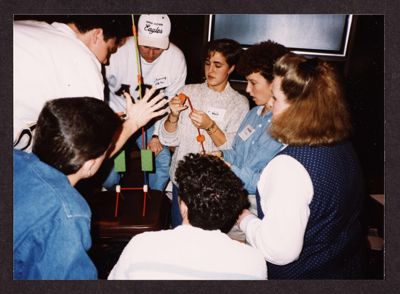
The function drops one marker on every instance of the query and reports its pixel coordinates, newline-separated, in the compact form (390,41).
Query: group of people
(275,192)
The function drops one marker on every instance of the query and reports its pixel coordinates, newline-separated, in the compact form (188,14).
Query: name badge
(160,82)
(246,132)
(216,114)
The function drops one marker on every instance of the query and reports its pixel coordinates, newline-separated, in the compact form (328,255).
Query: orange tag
(182,97)
(200,138)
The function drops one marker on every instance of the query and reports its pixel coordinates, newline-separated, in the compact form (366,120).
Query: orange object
(200,138)
(182,97)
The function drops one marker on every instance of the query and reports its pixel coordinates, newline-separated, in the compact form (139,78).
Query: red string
(144,203)
(130,189)
(140,81)
(198,130)
(116,204)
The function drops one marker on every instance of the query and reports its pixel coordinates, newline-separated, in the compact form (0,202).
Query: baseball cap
(154,30)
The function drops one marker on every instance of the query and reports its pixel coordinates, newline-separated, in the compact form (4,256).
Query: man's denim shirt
(51,224)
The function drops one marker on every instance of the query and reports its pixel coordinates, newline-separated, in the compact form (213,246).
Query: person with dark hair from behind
(211,198)
(311,193)
(217,112)
(51,219)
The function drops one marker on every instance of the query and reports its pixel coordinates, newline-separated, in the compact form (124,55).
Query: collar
(64,28)
(267,115)
(227,92)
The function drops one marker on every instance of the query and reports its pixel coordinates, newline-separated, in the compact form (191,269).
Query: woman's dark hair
(317,114)
(71,131)
(260,58)
(213,194)
(229,48)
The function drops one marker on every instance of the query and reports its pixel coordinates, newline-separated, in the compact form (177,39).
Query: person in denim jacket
(51,219)
(252,146)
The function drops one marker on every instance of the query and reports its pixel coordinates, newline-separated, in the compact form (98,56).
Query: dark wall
(364,82)
(189,33)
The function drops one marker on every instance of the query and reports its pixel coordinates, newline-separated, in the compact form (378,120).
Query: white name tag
(246,132)
(216,114)
(160,82)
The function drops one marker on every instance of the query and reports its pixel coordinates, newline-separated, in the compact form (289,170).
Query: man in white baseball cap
(154,30)
(163,65)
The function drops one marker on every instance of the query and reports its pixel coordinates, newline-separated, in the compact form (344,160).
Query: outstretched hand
(140,113)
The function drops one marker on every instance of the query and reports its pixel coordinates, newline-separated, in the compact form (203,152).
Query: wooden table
(130,220)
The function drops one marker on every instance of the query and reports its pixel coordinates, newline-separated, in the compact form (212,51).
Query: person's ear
(232,68)
(184,210)
(97,35)
(87,168)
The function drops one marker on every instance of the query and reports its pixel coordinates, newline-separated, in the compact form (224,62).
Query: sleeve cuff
(245,222)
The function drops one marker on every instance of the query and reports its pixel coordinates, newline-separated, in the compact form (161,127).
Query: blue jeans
(112,179)
(176,217)
(158,179)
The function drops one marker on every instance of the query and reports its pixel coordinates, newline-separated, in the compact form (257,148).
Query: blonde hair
(317,114)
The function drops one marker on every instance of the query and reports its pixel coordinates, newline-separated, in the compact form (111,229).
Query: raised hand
(140,113)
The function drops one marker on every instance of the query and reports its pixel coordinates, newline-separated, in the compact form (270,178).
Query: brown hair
(317,114)
(229,48)
(260,58)
(70,131)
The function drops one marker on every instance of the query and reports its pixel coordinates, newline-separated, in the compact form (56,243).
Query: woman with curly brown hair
(310,194)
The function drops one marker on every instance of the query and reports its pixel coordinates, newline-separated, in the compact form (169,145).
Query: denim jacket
(252,149)
(51,224)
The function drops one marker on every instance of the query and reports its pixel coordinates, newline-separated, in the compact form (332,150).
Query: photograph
(222,147)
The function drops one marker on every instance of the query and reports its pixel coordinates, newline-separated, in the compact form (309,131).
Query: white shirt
(50,62)
(167,71)
(188,253)
(226,108)
(286,192)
